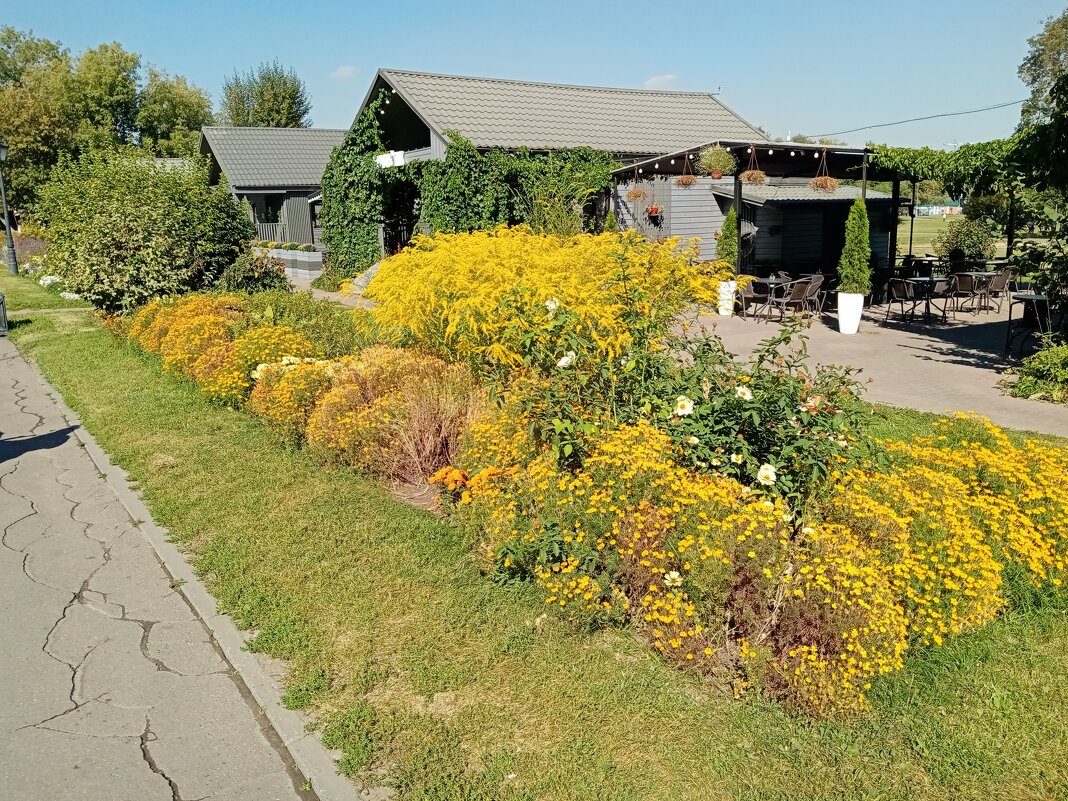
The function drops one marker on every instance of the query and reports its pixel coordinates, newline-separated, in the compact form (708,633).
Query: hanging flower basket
(654,211)
(824,183)
(753,176)
(717,161)
(685,180)
(636,193)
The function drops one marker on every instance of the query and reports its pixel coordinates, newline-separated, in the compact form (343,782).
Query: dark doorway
(398,216)
(834,221)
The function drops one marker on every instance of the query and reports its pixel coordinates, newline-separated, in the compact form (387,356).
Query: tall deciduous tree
(170,114)
(271,96)
(19,51)
(1046,61)
(106,81)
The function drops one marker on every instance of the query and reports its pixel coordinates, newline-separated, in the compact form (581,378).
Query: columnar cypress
(854,269)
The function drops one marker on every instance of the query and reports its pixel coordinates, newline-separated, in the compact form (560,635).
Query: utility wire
(917,119)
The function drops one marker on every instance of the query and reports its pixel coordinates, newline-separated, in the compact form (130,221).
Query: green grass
(924,230)
(22,292)
(409,658)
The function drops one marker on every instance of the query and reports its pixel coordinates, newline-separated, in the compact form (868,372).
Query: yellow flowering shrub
(188,338)
(287,392)
(225,371)
(448,293)
(724,579)
(153,321)
(394,412)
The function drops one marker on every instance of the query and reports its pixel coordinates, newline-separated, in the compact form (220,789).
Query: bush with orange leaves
(393,412)
(287,392)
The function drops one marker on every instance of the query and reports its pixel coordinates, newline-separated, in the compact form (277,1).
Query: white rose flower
(552,305)
(683,406)
(737,458)
(566,361)
(766,475)
(743,392)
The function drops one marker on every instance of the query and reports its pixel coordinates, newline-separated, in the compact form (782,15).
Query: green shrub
(717,159)
(254,271)
(124,230)
(964,239)
(1044,372)
(727,241)
(333,329)
(854,268)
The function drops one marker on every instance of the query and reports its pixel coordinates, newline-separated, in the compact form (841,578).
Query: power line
(917,119)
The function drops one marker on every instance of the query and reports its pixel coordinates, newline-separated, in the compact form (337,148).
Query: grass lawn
(21,292)
(924,231)
(466,690)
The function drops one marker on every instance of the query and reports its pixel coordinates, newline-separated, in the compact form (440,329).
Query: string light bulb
(793,152)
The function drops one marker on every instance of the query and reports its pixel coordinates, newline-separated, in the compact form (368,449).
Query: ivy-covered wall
(468,190)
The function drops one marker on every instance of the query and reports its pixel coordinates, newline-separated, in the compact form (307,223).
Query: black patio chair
(793,297)
(968,290)
(945,290)
(749,297)
(998,288)
(901,292)
(814,296)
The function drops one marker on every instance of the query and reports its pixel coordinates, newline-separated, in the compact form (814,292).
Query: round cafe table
(1035,317)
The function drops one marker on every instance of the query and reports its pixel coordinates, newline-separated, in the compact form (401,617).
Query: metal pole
(1010,235)
(895,217)
(912,215)
(12,262)
(864,177)
(738,214)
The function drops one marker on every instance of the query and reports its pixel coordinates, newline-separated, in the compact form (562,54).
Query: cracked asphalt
(111,687)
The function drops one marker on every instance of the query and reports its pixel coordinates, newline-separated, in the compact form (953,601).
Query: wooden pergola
(780,160)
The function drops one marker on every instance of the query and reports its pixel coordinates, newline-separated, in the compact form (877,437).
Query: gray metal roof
(792,192)
(493,112)
(271,157)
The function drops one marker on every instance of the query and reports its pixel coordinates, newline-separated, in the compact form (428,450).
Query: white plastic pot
(727,291)
(850,307)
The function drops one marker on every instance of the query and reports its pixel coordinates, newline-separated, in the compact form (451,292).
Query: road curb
(308,753)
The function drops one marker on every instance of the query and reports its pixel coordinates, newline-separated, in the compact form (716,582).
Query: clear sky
(809,67)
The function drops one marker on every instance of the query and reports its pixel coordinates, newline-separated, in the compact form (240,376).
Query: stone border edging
(308,753)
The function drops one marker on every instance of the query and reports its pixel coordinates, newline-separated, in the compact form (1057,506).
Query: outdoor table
(926,286)
(773,282)
(1035,317)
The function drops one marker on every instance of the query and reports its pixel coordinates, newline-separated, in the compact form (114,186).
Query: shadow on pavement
(14,447)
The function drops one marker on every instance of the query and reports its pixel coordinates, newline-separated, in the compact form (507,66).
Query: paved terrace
(930,366)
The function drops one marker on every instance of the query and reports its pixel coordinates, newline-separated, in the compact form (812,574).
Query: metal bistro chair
(813,300)
(901,291)
(794,297)
(998,288)
(944,289)
(748,297)
(968,290)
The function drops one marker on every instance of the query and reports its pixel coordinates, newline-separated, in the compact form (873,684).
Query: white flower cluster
(70,296)
(48,280)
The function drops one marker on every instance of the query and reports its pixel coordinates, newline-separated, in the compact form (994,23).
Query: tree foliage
(854,268)
(727,241)
(54,106)
(124,230)
(270,96)
(1046,61)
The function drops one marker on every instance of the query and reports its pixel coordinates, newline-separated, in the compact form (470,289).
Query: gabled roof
(270,157)
(493,112)
(793,192)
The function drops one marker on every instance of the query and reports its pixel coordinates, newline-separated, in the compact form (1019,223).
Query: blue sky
(805,67)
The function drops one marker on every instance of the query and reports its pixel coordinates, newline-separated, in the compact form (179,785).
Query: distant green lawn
(466,690)
(924,230)
(21,292)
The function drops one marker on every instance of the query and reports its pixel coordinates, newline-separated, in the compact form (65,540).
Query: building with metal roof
(496,113)
(277,170)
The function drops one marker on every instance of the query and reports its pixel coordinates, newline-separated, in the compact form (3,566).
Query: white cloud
(343,73)
(661,81)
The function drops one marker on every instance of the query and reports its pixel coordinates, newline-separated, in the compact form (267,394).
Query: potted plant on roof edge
(854,269)
(717,161)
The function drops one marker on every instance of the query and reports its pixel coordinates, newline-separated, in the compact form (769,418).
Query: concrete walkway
(111,687)
(930,366)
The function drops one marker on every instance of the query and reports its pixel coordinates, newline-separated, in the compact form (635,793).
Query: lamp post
(12,262)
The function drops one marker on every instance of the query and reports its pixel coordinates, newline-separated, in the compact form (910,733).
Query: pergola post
(895,217)
(864,177)
(738,214)
(912,215)
(1010,234)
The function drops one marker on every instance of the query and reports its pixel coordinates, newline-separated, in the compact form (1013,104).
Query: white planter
(850,307)
(727,291)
